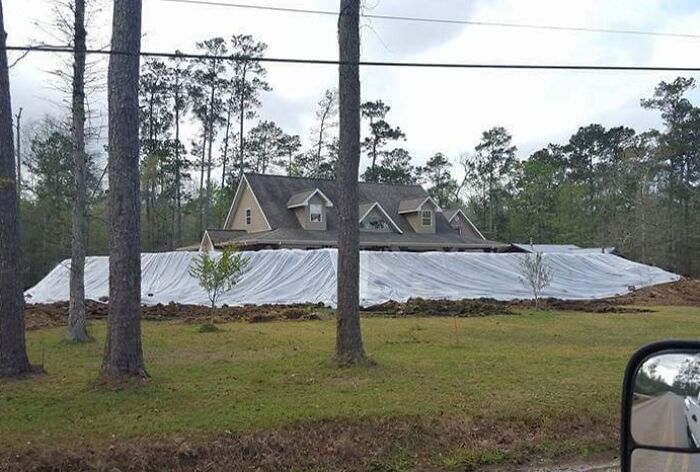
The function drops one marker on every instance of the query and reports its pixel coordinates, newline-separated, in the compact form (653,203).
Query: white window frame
(319,213)
(248,216)
(422,217)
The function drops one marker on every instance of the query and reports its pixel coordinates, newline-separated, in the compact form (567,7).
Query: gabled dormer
(310,208)
(420,213)
(374,218)
(462,224)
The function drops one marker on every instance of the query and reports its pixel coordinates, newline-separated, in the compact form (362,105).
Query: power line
(333,62)
(417,19)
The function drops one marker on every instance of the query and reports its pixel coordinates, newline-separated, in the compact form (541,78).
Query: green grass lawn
(539,369)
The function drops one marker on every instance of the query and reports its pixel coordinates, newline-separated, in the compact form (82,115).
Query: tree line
(136,136)
(605,187)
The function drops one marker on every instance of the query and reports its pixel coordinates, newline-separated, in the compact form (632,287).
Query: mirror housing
(660,397)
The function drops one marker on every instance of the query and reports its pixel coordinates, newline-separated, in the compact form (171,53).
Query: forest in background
(200,127)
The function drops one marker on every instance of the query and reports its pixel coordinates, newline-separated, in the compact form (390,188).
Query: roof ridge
(300,177)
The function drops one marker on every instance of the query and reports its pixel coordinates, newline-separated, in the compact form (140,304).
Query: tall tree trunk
(241,121)
(13,352)
(178,166)
(319,149)
(123,355)
(224,158)
(374,159)
(491,228)
(207,203)
(348,347)
(18,137)
(201,179)
(77,329)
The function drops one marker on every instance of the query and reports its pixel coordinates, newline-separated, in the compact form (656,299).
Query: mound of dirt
(51,315)
(685,292)
(587,306)
(461,308)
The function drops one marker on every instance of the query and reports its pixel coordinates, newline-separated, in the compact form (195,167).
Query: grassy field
(552,377)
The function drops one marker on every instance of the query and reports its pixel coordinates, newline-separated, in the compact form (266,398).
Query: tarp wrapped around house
(309,276)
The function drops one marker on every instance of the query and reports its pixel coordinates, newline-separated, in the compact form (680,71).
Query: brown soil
(55,314)
(462,308)
(685,292)
(330,445)
(586,306)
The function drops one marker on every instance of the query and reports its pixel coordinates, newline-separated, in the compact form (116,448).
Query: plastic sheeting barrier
(288,276)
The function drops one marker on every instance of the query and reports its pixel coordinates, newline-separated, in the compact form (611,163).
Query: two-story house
(272,211)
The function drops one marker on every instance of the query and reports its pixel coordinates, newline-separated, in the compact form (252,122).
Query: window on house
(316,213)
(373,222)
(427,217)
(247,216)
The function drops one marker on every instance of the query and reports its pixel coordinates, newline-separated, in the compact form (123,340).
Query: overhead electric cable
(498,24)
(443,65)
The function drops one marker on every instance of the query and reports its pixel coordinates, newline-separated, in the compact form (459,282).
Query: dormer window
(420,213)
(375,218)
(247,216)
(426,217)
(373,222)
(316,213)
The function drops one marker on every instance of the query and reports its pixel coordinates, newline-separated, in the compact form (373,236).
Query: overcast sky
(439,109)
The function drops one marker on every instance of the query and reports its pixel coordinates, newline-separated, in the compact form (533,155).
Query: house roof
(302,198)
(273,193)
(302,237)
(366,208)
(450,214)
(412,205)
(222,235)
(563,248)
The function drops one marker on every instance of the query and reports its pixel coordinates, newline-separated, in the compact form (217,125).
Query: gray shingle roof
(302,237)
(222,235)
(365,207)
(299,198)
(274,191)
(411,204)
(449,213)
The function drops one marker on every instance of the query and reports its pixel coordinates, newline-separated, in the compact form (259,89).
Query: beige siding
(416,219)
(302,214)
(205,245)
(257,220)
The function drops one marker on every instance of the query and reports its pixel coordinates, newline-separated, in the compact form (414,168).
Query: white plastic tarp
(296,276)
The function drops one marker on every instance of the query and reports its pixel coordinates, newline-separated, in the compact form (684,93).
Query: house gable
(303,212)
(463,225)
(374,212)
(421,215)
(245,213)
(304,198)
(206,245)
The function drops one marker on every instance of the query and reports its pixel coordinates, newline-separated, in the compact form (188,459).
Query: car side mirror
(660,409)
